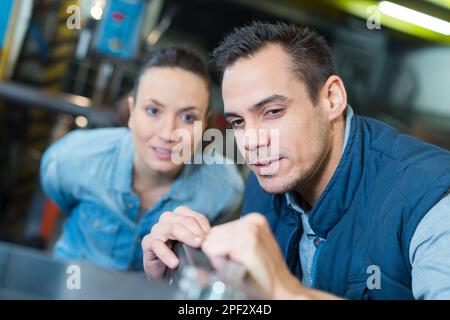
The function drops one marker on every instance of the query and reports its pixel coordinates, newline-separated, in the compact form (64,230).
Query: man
(347,207)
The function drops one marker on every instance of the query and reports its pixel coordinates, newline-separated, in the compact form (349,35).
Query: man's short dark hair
(176,57)
(309,52)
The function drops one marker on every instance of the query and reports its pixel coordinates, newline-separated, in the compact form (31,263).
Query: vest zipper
(313,277)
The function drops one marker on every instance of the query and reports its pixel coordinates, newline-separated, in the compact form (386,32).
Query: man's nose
(255,138)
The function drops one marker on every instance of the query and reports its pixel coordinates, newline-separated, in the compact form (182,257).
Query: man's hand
(184,225)
(250,242)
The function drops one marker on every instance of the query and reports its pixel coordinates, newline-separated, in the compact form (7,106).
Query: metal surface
(30,274)
(197,278)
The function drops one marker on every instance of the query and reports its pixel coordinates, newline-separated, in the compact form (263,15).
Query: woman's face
(168,98)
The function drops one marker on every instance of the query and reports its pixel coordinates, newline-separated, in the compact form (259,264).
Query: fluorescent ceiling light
(414,17)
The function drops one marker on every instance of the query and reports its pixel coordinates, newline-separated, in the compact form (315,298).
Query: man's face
(167,99)
(263,92)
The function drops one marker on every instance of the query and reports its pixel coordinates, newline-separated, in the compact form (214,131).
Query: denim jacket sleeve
(52,177)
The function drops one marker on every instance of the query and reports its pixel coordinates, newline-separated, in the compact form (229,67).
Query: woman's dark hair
(309,53)
(176,57)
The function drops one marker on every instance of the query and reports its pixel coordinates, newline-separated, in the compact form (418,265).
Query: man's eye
(273,112)
(151,111)
(236,124)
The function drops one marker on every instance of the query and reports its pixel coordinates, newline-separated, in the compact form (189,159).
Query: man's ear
(335,96)
(130,101)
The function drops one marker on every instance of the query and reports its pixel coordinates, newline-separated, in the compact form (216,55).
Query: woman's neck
(145,179)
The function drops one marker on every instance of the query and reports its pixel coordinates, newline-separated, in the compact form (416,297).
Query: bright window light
(414,17)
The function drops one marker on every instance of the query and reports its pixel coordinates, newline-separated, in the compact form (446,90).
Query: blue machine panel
(5,12)
(120,28)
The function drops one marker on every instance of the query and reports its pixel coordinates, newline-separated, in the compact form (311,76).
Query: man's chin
(281,182)
(271,184)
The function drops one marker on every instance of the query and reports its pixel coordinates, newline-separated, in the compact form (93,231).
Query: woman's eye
(151,111)
(189,118)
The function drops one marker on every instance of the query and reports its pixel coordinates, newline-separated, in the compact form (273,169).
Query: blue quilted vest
(383,186)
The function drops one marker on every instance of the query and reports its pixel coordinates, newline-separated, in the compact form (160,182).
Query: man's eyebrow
(270,99)
(227,115)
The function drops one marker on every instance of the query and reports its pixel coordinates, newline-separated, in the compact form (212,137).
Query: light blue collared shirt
(88,174)
(429,250)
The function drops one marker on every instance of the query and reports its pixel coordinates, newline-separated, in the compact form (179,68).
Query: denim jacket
(88,174)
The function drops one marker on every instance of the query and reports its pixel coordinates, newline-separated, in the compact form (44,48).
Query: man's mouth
(265,162)
(266,166)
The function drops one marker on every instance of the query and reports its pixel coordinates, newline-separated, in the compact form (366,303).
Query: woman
(115,183)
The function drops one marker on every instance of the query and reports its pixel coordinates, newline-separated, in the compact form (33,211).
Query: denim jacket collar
(121,176)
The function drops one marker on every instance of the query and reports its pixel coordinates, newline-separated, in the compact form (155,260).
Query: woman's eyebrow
(154,101)
(189,108)
(159,104)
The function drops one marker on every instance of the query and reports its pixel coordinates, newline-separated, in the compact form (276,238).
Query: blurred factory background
(69,64)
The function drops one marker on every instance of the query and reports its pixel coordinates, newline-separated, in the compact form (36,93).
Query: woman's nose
(167,128)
